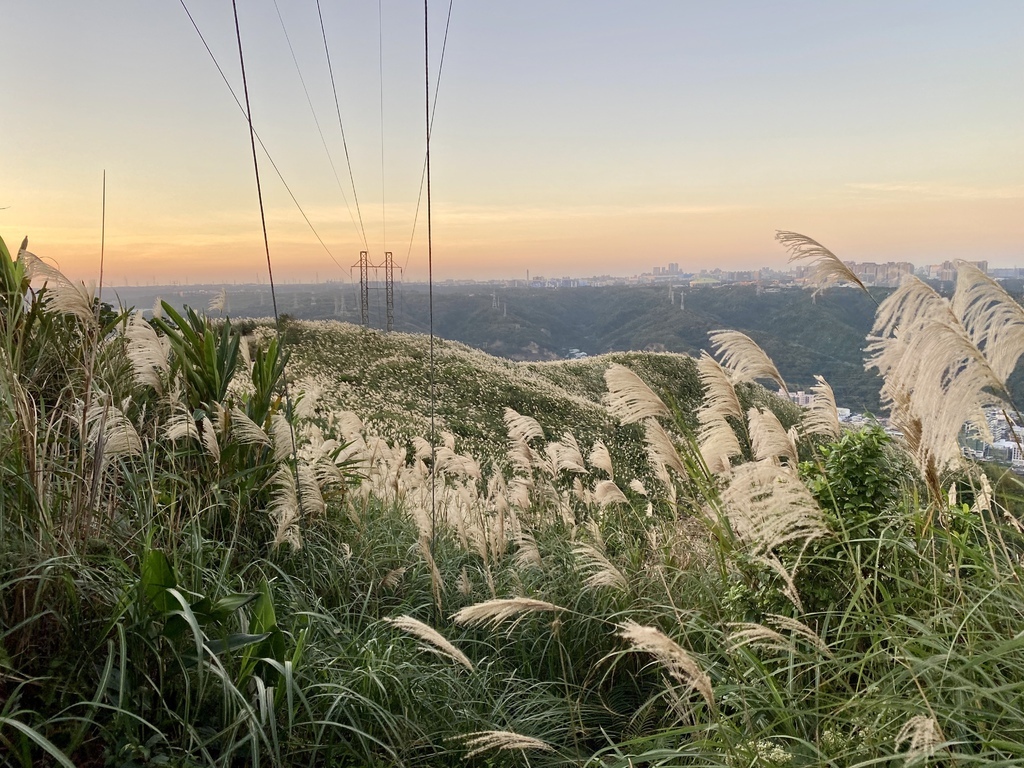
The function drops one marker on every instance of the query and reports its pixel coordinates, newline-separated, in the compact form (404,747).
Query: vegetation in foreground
(196,569)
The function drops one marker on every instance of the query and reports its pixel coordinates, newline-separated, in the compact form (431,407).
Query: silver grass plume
(676,661)
(246,431)
(821,417)
(797,627)
(350,426)
(111,432)
(181,424)
(565,455)
(148,352)
(994,321)
(209,438)
(283,439)
(600,458)
(463,584)
(448,440)
(428,634)
(494,612)
(421,448)
(767,506)
(65,296)
(455,464)
(484,741)
(742,635)
(601,572)
(768,438)
(772,562)
(246,354)
(826,268)
(629,398)
(743,358)
(311,498)
(284,508)
(520,427)
(660,448)
(924,737)
(606,493)
(527,553)
(307,401)
(718,442)
(521,456)
(935,379)
(219,302)
(637,486)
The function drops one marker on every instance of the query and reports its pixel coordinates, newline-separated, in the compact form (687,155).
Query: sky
(570,137)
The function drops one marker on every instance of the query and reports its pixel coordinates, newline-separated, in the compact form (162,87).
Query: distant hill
(804,336)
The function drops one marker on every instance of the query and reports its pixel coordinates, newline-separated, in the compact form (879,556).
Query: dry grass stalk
(522,428)
(494,612)
(924,736)
(821,417)
(483,741)
(629,398)
(670,655)
(600,458)
(826,268)
(438,643)
(743,358)
(768,438)
(768,506)
(601,571)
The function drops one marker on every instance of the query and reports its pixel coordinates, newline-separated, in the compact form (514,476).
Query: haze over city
(569,138)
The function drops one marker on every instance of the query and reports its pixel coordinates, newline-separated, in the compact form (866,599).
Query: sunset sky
(572,137)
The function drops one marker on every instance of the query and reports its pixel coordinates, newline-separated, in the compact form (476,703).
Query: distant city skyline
(569,138)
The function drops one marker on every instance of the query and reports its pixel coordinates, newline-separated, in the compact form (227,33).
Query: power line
(380,75)
(260,140)
(430,126)
(266,245)
(341,125)
(316,120)
(430,293)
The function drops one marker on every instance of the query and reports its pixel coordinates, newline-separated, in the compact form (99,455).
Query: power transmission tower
(389,288)
(364,286)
